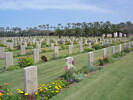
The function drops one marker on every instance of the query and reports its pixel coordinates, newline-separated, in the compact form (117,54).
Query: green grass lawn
(114,82)
(48,71)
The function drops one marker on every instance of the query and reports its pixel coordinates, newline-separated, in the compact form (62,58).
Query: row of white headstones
(8,56)
(55,48)
(24,41)
(30,73)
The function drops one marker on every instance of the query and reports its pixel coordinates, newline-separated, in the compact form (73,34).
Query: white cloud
(47,4)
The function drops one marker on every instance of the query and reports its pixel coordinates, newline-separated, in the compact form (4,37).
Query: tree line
(71,29)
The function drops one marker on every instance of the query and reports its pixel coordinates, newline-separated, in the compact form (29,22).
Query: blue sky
(26,13)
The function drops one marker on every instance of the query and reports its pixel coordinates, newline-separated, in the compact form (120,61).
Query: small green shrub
(25,61)
(34,45)
(9,41)
(9,49)
(103,61)
(55,44)
(69,75)
(88,49)
(97,46)
(67,43)
(63,46)
(13,67)
(29,53)
(88,69)
(44,44)
(126,50)
(121,42)
(2,69)
(18,47)
(51,41)
(43,50)
(91,68)
(106,60)
(85,69)
(29,47)
(29,44)
(78,76)
(117,55)
(75,42)
(131,49)
(2,45)
(85,45)
(112,44)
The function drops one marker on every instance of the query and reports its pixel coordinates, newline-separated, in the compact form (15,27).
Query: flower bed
(25,61)
(45,91)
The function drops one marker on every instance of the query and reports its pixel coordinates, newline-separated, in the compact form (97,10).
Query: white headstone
(86,42)
(25,44)
(22,48)
(90,45)
(2,52)
(52,45)
(11,45)
(48,42)
(36,56)
(120,34)
(104,52)
(129,45)
(69,61)
(30,79)
(81,47)
(56,51)
(125,35)
(132,43)
(115,34)
(113,49)
(120,48)
(38,46)
(69,49)
(8,59)
(71,43)
(90,58)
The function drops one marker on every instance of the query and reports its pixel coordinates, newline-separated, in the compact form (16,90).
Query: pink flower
(73,62)
(66,68)
(1,91)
